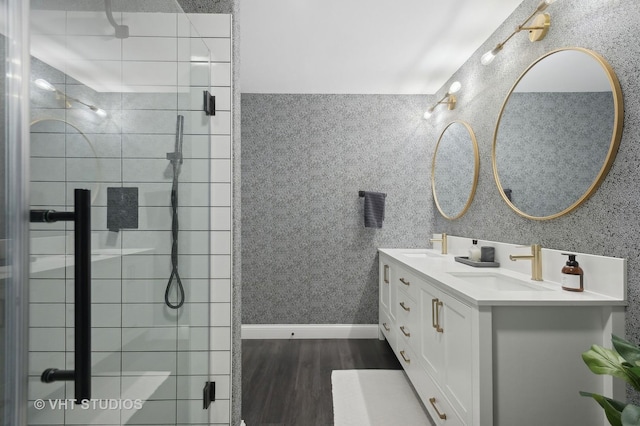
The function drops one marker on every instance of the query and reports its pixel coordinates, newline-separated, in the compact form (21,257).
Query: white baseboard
(310,331)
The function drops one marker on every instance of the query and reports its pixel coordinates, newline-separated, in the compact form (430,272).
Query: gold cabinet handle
(405,282)
(438,328)
(407,360)
(406,308)
(433,404)
(386,274)
(405,331)
(386,327)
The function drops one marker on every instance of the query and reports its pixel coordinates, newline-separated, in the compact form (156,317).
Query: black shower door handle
(81,216)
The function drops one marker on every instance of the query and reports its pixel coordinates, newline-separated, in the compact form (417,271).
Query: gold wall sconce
(448,99)
(537,31)
(45,85)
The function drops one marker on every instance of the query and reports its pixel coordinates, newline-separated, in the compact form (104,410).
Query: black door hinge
(209,103)
(208,394)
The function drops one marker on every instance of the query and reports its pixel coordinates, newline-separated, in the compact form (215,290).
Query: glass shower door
(116,105)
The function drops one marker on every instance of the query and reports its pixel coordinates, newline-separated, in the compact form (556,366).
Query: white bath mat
(375,398)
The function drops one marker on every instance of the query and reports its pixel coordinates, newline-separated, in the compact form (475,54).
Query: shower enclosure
(118,109)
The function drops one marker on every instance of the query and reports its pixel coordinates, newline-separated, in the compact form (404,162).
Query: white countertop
(436,268)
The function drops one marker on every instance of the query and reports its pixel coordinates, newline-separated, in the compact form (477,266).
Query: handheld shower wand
(176,161)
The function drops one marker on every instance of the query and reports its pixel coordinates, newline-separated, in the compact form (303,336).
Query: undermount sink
(422,255)
(496,282)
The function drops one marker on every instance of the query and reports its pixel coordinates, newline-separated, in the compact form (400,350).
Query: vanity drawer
(388,328)
(439,408)
(408,283)
(407,320)
(407,357)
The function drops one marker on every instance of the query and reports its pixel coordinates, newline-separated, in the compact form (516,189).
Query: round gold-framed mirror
(454,169)
(557,133)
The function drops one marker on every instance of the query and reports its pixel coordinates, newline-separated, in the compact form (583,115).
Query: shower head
(122,31)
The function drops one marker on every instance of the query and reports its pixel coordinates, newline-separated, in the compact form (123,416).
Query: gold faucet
(443,240)
(536,261)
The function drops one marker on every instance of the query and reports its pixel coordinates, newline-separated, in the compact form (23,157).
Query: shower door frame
(17,179)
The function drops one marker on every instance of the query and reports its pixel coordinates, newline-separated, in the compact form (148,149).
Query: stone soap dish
(466,261)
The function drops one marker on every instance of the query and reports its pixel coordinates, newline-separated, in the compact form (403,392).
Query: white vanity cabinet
(488,359)
(430,334)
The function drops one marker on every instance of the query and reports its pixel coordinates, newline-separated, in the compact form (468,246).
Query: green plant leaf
(605,361)
(630,415)
(627,350)
(633,373)
(612,409)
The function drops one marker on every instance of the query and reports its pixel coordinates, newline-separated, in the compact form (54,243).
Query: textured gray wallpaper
(306,256)
(208,6)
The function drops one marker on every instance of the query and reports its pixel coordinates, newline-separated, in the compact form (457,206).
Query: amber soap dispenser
(572,274)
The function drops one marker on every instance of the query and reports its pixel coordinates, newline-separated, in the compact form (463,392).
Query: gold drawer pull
(386,274)
(404,331)
(438,328)
(406,308)
(407,360)
(403,281)
(433,404)
(386,327)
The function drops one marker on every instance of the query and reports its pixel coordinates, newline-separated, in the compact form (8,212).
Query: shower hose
(176,161)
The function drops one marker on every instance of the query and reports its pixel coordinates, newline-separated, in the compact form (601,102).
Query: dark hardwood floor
(288,382)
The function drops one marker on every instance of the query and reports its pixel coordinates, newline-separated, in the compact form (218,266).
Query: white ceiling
(361,46)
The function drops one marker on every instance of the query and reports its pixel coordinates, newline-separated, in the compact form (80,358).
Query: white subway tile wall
(141,349)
